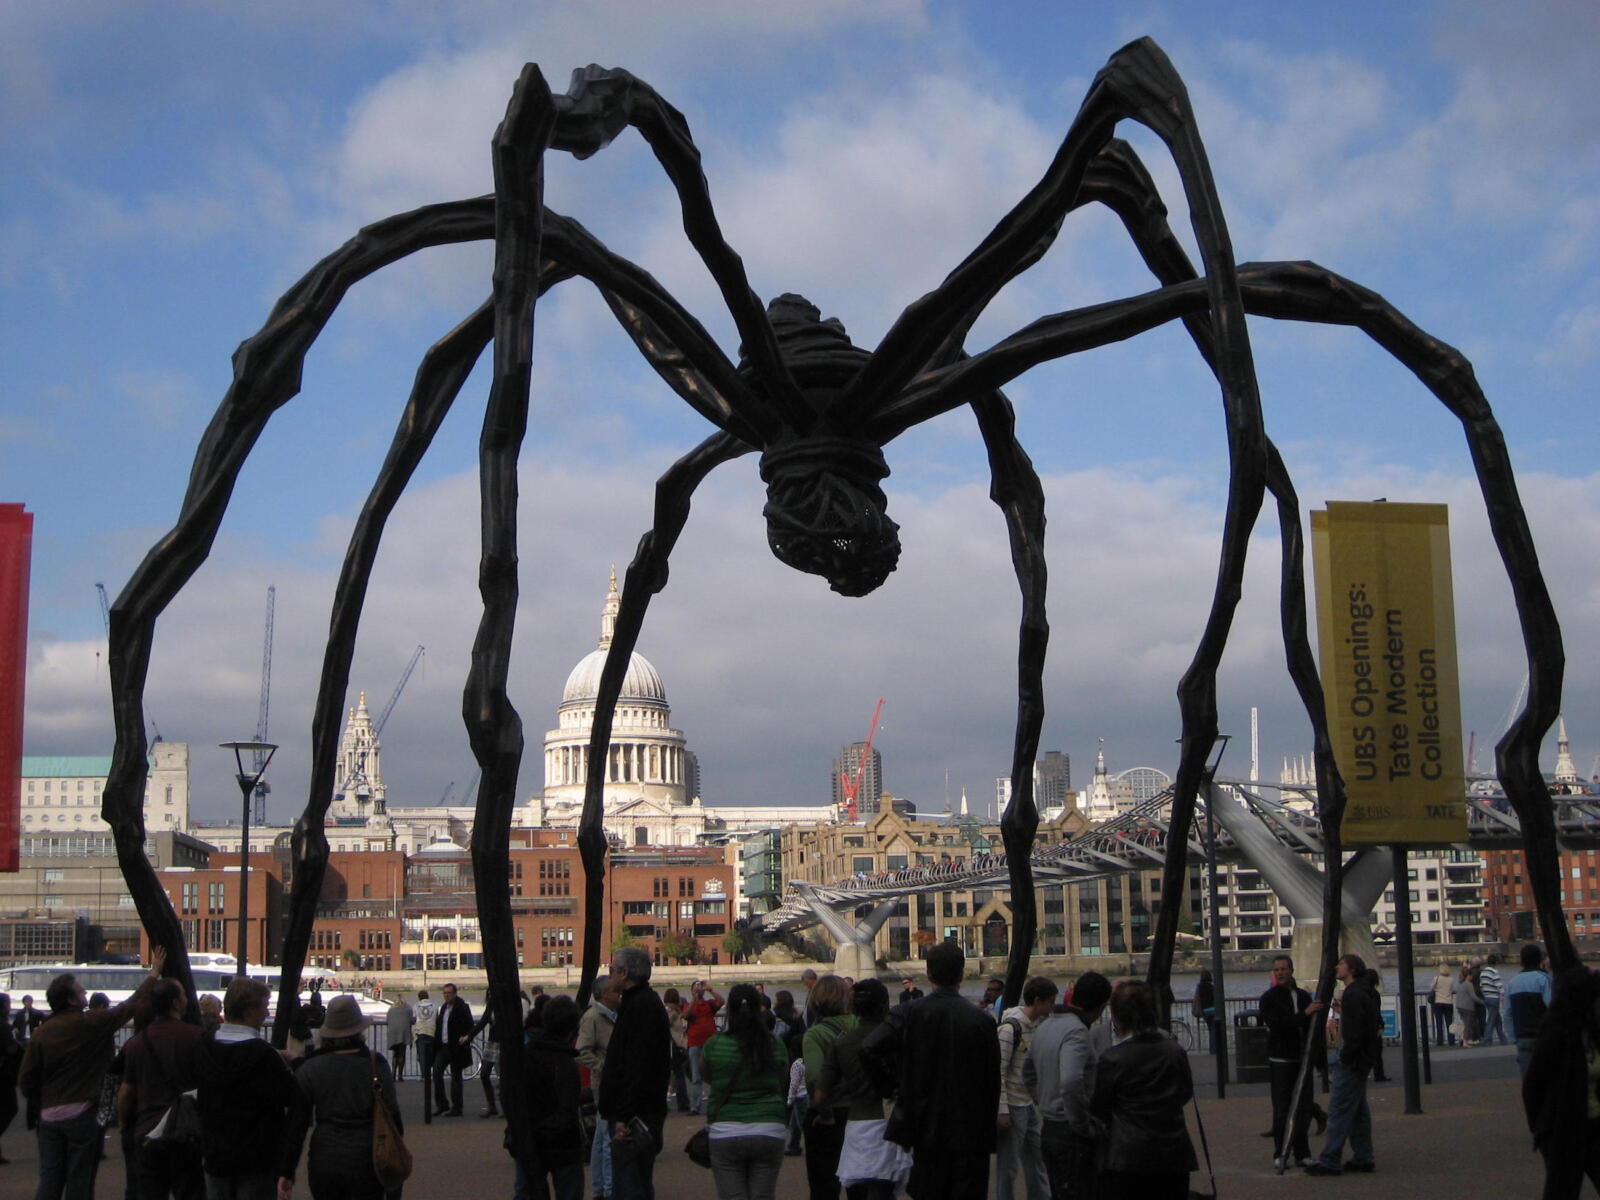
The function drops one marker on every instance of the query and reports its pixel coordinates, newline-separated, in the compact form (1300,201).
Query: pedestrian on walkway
(949,1084)
(400,1025)
(10,1064)
(701,1019)
(1559,1090)
(63,1066)
(246,1092)
(1204,1006)
(452,1050)
(1349,1118)
(1060,1074)
(870,1166)
(1375,982)
(1467,1006)
(595,1028)
(1018,1124)
(633,1092)
(746,1075)
(338,1085)
(1287,1010)
(1491,987)
(825,1122)
(1141,1086)
(425,1013)
(159,1066)
(1528,998)
(1444,1005)
(678,1024)
(550,1078)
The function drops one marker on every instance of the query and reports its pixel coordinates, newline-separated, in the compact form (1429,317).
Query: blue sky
(170,169)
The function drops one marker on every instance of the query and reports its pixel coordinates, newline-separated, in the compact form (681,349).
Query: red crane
(851,785)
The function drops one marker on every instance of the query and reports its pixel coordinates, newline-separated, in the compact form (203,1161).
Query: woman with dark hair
(870,1167)
(746,1071)
(1141,1086)
(1559,1090)
(551,1083)
(824,1124)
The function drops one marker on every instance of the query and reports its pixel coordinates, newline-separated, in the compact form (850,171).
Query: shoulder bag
(390,1158)
(698,1147)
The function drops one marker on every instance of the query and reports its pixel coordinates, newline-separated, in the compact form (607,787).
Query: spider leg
(1015,487)
(1138,82)
(1307,292)
(646,575)
(439,379)
(494,729)
(601,103)
(266,376)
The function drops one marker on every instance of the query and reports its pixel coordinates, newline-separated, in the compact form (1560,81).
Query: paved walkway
(1470,1142)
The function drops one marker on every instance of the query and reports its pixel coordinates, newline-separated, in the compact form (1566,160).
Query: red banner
(16,554)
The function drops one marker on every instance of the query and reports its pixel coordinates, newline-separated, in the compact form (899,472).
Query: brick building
(1508,901)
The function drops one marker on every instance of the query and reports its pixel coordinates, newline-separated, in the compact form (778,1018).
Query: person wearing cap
(336,1091)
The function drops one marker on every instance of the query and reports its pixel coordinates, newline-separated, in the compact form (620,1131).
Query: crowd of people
(1079,1095)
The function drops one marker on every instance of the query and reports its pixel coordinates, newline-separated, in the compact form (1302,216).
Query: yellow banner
(1387,634)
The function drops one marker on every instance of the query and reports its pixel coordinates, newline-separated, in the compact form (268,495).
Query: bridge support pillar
(1298,884)
(856,956)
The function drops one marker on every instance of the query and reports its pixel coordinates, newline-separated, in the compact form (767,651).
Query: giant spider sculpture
(819,410)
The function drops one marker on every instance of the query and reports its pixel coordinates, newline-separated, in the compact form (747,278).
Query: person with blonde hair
(1443,1003)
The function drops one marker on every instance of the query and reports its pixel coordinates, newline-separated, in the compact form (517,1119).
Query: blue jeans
(1348,1118)
(1524,1055)
(1492,1022)
(69,1156)
(697,1087)
(1019,1151)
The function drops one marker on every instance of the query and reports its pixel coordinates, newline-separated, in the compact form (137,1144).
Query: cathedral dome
(641,683)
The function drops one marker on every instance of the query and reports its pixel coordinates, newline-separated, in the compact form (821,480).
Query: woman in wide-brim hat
(336,1093)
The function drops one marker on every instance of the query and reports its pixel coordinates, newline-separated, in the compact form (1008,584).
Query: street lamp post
(247,785)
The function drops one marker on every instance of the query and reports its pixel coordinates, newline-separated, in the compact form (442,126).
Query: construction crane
(260,756)
(383,717)
(849,784)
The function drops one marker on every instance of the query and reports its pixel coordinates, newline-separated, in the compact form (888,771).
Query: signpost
(1386,625)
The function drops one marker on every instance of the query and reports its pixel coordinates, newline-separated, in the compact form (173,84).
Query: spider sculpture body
(819,411)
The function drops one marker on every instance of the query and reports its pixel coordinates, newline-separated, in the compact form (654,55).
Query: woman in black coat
(1141,1086)
(1558,1091)
(550,1072)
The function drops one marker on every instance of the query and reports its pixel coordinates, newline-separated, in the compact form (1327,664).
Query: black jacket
(246,1091)
(1283,1012)
(1360,1027)
(948,1072)
(453,1023)
(551,1074)
(1140,1088)
(638,1059)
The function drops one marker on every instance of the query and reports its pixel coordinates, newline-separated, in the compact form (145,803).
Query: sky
(170,169)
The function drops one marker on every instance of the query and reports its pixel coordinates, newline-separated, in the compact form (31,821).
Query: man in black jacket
(550,1078)
(452,1031)
(633,1087)
(949,1084)
(1286,1010)
(246,1089)
(1360,1035)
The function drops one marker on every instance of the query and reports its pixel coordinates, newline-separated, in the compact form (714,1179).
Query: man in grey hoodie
(1060,1074)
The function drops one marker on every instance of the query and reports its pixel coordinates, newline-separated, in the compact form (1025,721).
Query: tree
(679,948)
(621,939)
(352,959)
(733,945)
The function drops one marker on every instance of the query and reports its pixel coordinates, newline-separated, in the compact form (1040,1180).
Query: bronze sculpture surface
(819,411)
